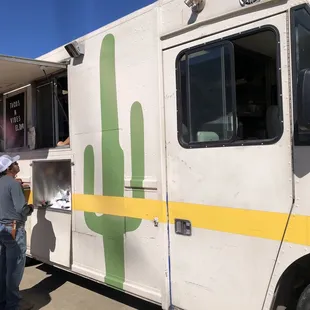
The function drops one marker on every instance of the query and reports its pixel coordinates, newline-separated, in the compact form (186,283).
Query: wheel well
(291,284)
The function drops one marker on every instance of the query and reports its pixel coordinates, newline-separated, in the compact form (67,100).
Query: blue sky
(34,27)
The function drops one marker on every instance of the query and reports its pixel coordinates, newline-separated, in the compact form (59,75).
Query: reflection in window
(301,61)
(302,34)
(52,113)
(206,95)
(45,136)
(62,111)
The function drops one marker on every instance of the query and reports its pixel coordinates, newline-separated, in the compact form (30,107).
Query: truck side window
(300,61)
(207,97)
(229,92)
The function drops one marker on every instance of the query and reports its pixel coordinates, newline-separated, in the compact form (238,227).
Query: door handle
(183,227)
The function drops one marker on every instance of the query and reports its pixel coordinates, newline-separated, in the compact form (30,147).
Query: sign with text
(15,121)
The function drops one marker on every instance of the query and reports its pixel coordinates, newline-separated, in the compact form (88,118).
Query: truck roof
(175,17)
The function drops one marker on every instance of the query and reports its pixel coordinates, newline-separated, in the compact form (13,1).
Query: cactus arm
(93,222)
(137,149)
(137,159)
(89,171)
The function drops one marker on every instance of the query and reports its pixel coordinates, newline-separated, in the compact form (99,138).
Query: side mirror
(303,99)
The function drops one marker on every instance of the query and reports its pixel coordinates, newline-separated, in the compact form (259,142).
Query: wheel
(304,300)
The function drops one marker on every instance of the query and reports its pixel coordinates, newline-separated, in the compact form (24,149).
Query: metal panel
(51,224)
(52,183)
(17,72)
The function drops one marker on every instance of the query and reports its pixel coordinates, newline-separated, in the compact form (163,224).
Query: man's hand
(31,207)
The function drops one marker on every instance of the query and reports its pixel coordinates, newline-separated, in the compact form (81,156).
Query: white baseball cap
(6,161)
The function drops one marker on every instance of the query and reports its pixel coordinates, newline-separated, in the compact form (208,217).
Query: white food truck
(168,153)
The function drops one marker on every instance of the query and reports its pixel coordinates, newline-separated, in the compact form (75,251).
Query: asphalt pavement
(51,288)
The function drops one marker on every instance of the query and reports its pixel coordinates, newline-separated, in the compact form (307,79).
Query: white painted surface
(229,271)
(250,178)
(50,239)
(20,72)
(137,70)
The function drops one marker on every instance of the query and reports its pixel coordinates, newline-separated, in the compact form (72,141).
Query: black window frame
(37,86)
(218,42)
(51,80)
(295,116)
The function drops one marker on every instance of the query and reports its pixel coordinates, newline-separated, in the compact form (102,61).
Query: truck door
(229,172)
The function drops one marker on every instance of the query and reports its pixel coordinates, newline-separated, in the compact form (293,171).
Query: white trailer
(185,179)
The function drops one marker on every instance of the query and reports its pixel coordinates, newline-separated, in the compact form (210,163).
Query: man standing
(13,215)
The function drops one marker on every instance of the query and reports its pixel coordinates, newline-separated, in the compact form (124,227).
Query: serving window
(34,112)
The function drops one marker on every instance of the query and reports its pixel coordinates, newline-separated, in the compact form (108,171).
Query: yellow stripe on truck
(121,206)
(237,221)
(253,223)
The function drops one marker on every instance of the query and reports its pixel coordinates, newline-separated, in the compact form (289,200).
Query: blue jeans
(12,266)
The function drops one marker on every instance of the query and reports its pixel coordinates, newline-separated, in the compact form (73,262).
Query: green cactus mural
(113,228)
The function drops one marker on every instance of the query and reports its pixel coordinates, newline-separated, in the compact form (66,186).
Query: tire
(304,300)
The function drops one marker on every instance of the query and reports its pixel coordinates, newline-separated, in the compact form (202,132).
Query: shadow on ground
(56,278)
